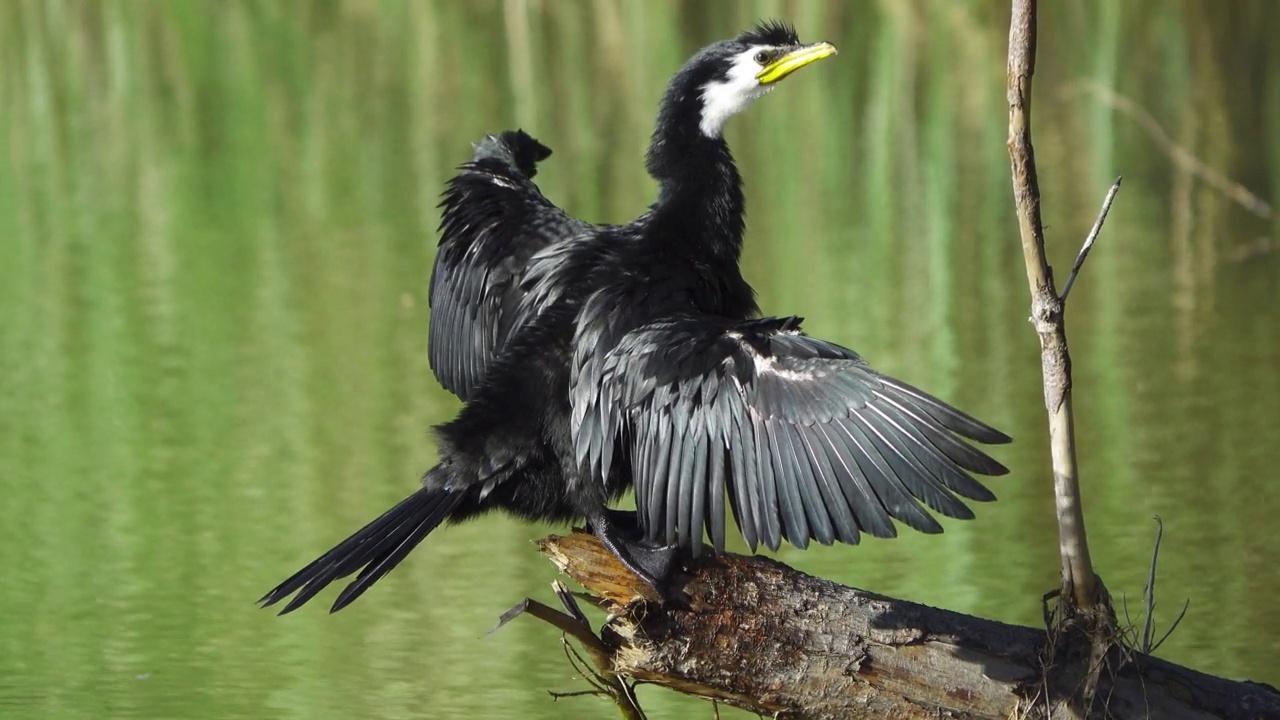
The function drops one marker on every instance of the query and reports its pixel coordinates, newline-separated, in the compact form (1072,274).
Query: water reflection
(218,221)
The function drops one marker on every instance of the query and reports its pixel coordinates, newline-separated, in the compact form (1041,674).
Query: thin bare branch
(557,695)
(1093,236)
(1046,313)
(580,666)
(565,623)
(568,599)
(1149,593)
(1174,626)
(574,622)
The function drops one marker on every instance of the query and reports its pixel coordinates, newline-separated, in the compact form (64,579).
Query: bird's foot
(654,564)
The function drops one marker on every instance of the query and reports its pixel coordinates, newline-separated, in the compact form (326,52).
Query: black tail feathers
(373,550)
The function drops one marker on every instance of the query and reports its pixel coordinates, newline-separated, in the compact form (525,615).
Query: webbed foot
(654,564)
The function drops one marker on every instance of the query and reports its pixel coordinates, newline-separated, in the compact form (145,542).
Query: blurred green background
(217,222)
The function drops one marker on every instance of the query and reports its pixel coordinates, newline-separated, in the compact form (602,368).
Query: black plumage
(819,445)
(494,220)
(593,359)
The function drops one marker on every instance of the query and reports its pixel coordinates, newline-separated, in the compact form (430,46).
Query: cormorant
(596,358)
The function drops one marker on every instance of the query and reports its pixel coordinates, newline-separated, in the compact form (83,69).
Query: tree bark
(757,634)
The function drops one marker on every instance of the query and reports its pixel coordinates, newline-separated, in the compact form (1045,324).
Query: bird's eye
(762,57)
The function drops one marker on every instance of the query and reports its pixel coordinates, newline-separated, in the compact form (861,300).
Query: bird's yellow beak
(793,61)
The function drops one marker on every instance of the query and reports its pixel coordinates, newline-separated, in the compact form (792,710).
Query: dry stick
(1149,595)
(1078,577)
(1093,236)
(573,622)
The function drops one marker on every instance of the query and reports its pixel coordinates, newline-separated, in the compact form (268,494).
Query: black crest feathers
(770,32)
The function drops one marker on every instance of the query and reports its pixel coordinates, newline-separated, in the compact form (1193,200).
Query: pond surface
(217,222)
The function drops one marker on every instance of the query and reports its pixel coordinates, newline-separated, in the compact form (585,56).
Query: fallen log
(757,634)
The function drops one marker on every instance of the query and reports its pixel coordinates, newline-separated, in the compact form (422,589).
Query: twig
(555,695)
(564,622)
(580,666)
(573,622)
(1149,593)
(1093,235)
(1174,626)
(1047,611)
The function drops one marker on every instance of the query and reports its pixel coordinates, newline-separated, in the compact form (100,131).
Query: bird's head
(728,76)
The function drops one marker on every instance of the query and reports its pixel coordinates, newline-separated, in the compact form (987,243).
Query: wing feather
(696,508)
(804,437)
(712,512)
(844,525)
(669,505)
(889,488)
(715,495)
(913,476)
(866,507)
(926,455)
(815,504)
(773,513)
(948,417)
(651,511)
(494,220)
(658,502)
(742,475)
(781,457)
(966,457)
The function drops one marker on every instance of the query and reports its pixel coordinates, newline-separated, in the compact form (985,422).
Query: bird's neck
(700,203)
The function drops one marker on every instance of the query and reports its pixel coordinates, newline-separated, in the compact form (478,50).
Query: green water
(216,229)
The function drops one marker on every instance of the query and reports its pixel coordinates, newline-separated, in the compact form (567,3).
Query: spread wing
(802,436)
(495,219)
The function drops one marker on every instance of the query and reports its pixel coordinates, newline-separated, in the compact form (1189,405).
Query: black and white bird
(595,359)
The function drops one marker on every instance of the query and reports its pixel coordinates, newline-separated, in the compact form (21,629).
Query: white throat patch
(722,99)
